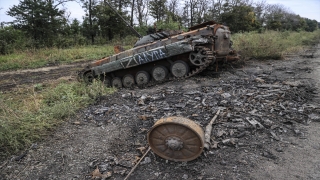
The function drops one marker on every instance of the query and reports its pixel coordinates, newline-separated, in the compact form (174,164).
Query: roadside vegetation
(29,113)
(35,58)
(273,44)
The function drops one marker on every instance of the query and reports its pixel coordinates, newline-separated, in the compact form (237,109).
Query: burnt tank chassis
(161,56)
(164,55)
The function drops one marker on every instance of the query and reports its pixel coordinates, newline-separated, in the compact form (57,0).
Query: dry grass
(273,44)
(34,58)
(28,114)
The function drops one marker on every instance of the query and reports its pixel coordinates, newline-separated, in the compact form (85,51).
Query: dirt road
(268,129)
(13,79)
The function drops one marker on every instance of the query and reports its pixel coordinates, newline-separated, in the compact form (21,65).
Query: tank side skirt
(145,57)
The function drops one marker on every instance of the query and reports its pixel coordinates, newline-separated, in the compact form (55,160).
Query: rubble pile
(254,111)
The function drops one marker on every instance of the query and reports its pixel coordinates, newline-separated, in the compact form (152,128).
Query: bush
(11,39)
(5,48)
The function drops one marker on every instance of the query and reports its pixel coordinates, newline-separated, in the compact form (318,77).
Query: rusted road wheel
(176,139)
(179,69)
(116,82)
(159,73)
(142,77)
(198,57)
(128,80)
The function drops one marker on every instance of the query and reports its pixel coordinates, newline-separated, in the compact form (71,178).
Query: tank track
(210,58)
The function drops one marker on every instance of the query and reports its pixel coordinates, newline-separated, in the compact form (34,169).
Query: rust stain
(117,49)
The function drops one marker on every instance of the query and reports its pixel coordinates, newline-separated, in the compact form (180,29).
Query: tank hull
(196,49)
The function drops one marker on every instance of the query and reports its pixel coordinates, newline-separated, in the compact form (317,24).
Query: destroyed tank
(164,55)
(161,56)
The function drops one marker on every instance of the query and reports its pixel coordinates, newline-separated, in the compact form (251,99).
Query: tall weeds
(27,115)
(273,44)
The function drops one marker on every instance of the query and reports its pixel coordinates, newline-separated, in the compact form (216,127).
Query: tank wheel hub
(159,73)
(88,77)
(116,82)
(176,138)
(128,81)
(142,77)
(179,69)
(174,143)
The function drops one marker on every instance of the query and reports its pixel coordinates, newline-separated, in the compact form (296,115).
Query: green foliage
(102,22)
(157,9)
(165,25)
(11,39)
(311,25)
(240,18)
(142,29)
(41,20)
(272,44)
(111,25)
(26,116)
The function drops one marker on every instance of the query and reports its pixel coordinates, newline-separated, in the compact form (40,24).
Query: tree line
(46,23)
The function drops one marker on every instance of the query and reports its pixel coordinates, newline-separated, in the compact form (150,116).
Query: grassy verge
(34,58)
(28,114)
(273,44)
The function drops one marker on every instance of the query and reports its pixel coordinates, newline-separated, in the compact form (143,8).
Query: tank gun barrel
(136,32)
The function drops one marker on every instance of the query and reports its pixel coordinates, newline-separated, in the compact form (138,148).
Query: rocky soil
(268,128)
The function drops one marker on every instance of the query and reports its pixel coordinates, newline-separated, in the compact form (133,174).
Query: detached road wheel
(116,82)
(179,69)
(142,77)
(176,139)
(159,73)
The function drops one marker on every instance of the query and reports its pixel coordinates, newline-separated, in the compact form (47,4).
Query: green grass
(34,58)
(28,114)
(273,44)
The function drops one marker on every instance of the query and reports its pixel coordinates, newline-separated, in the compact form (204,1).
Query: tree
(158,9)
(109,23)
(132,9)
(259,10)
(195,11)
(311,25)
(192,6)
(172,13)
(142,11)
(275,16)
(40,19)
(90,19)
(240,18)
